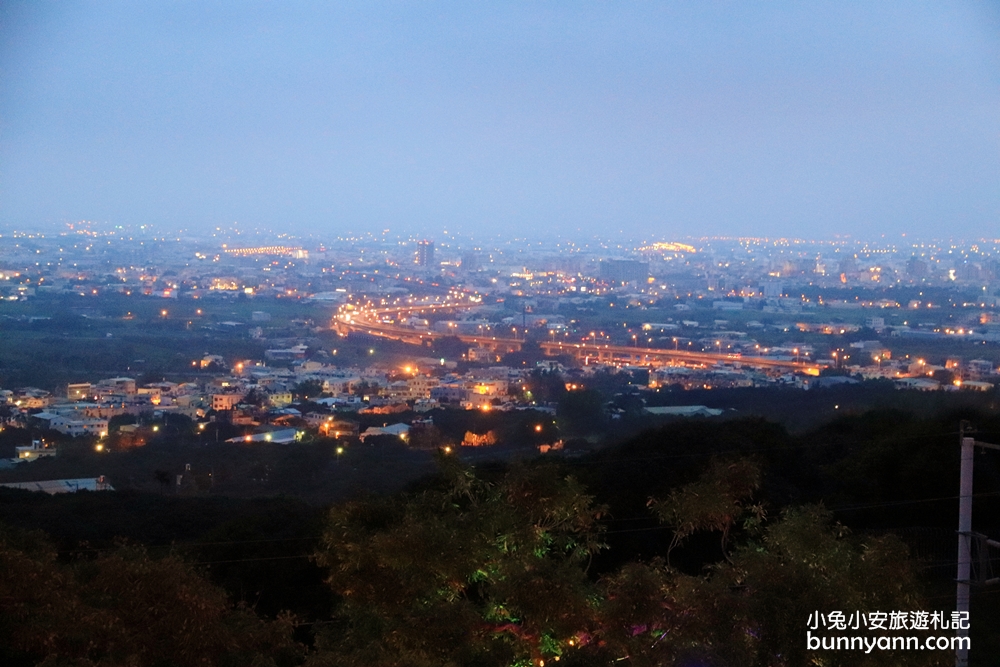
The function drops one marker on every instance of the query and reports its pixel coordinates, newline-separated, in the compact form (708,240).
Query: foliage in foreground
(124,608)
(479,572)
(482,569)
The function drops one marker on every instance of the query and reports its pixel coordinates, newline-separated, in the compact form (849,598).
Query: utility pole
(965,534)
(964,537)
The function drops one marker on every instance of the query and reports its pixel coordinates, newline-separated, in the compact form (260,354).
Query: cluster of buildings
(734,296)
(89,260)
(845,305)
(262,399)
(265,396)
(280,404)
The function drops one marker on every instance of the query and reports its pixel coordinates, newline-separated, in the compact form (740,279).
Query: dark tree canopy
(124,608)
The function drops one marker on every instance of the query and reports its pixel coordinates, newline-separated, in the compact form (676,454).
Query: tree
(214,367)
(805,563)
(545,386)
(469,572)
(163,479)
(426,436)
(943,376)
(528,356)
(715,502)
(450,347)
(125,608)
(363,389)
(255,398)
(752,610)
(308,388)
(581,411)
(492,571)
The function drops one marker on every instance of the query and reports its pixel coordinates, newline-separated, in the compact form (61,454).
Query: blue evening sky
(664,119)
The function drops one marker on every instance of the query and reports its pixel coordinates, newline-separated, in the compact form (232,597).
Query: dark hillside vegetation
(662,504)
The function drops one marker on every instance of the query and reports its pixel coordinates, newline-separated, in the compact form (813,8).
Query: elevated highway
(372,322)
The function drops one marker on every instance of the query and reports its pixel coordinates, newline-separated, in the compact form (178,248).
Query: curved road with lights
(373,322)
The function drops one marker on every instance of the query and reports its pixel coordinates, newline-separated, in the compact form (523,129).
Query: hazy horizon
(652,121)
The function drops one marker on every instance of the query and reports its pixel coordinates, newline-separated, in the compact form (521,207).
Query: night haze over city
(805,120)
(499,334)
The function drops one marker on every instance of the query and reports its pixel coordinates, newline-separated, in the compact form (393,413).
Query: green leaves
(508,557)
(715,502)
(479,572)
(482,569)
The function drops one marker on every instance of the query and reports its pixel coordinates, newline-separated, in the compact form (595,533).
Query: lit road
(371,321)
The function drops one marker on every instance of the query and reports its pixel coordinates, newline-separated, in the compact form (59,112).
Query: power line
(250,560)
(192,545)
(850,508)
(737,450)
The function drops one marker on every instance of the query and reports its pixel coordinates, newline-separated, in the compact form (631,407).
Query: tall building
(425,253)
(772,289)
(624,270)
(916,267)
(470,261)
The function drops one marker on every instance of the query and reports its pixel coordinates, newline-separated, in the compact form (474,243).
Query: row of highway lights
(593,336)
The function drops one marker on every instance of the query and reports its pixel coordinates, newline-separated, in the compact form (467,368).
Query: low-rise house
(72,425)
(487,388)
(347,402)
(54,486)
(79,391)
(279,397)
(421,386)
(398,390)
(425,405)
(401,431)
(974,385)
(284,416)
(84,427)
(36,450)
(452,392)
(684,411)
(283,436)
(339,384)
(223,402)
(153,393)
(482,354)
(308,367)
(31,398)
(290,354)
(384,407)
(332,427)
(120,385)
(977,369)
